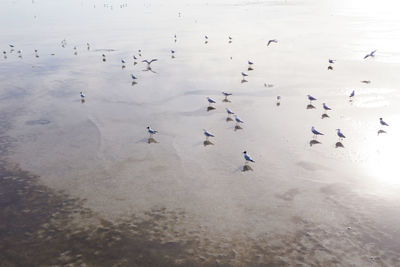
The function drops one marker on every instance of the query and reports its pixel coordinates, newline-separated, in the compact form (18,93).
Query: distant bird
(326,107)
(123,61)
(210,101)
(172,51)
(206,37)
(133,77)
(272,41)
(82,95)
(311,98)
(149,62)
(331,61)
(366,81)
(230,38)
(244,75)
(382,122)
(315,132)
(340,134)
(207,134)
(352,94)
(238,120)
(372,54)
(12,46)
(278,98)
(247,158)
(226,94)
(250,63)
(175,36)
(230,112)
(151,131)
(134,58)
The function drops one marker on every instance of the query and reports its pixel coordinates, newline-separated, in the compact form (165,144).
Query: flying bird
(372,54)
(247,158)
(149,62)
(272,41)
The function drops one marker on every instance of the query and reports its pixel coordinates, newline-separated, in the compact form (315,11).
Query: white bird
(238,120)
(133,77)
(82,95)
(230,112)
(272,41)
(149,62)
(382,122)
(326,107)
(211,101)
(372,54)
(247,158)
(244,75)
(340,134)
(226,94)
(315,132)
(311,98)
(207,134)
(352,94)
(151,131)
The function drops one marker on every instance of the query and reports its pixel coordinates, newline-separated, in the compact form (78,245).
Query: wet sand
(82,184)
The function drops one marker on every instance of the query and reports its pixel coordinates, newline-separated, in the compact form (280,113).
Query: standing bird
(133,77)
(82,95)
(210,101)
(372,54)
(207,134)
(230,39)
(331,61)
(326,108)
(172,51)
(244,75)
(247,158)
(278,100)
(250,63)
(272,41)
(382,122)
(12,46)
(311,98)
(352,94)
(151,131)
(226,96)
(238,120)
(230,112)
(123,61)
(340,134)
(315,132)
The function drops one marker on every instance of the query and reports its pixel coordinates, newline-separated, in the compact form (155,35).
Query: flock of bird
(211,101)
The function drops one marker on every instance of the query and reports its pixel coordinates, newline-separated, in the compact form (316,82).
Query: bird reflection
(151,140)
(207,143)
(323,116)
(314,142)
(339,144)
(310,106)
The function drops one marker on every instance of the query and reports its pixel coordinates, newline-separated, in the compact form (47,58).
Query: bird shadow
(133,83)
(246,168)
(208,143)
(314,142)
(134,63)
(123,67)
(104,60)
(324,116)
(229,42)
(381,132)
(172,57)
(278,104)
(206,42)
(209,108)
(339,144)
(310,106)
(149,69)
(243,81)
(330,68)
(151,140)
(237,127)
(83,101)
(250,69)
(226,100)
(228,119)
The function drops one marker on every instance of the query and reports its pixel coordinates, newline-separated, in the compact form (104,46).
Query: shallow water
(304,201)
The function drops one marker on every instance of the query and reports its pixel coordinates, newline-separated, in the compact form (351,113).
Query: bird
(230,38)
(226,94)
(340,134)
(278,99)
(238,120)
(12,46)
(82,95)
(210,101)
(247,158)
(123,61)
(207,134)
(326,107)
(172,51)
(149,62)
(250,63)
(133,77)
(352,94)
(311,98)
(372,54)
(272,41)
(244,75)
(151,131)
(230,112)
(315,132)
(206,37)
(134,57)
(382,122)
(331,61)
